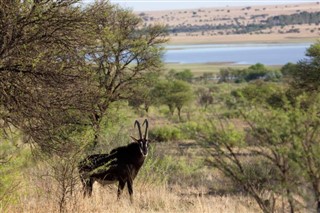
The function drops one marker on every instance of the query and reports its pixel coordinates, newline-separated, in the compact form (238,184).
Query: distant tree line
(281,20)
(254,72)
(297,18)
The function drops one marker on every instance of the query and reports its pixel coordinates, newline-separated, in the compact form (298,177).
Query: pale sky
(147,5)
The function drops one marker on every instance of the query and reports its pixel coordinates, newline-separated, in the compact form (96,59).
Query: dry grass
(151,199)
(225,15)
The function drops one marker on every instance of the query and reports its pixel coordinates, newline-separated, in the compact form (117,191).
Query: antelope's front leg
(130,189)
(120,188)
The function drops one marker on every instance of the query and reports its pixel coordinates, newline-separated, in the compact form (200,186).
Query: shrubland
(244,142)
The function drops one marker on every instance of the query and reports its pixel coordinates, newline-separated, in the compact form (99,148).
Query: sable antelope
(121,165)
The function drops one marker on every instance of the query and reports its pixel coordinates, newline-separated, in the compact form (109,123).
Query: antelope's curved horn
(139,128)
(146,131)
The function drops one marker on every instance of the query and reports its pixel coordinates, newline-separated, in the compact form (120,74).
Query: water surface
(269,54)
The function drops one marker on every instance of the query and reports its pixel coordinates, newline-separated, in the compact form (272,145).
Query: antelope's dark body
(120,165)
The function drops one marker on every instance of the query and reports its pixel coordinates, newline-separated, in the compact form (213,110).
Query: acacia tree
(284,159)
(306,74)
(42,83)
(267,171)
(161,95)
(142,92)
(44,91)
(175,94)
(123,53)
(181,95)
(62,65)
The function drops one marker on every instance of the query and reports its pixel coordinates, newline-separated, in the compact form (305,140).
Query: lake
(268,54)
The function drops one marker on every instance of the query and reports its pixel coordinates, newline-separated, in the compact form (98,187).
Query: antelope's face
(143,145)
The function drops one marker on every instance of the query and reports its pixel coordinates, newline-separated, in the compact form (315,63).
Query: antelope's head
(143,141)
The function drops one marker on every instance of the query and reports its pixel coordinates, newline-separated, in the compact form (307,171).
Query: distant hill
(270,23)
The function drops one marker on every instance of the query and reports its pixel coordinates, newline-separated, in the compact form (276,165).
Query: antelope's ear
(134,139)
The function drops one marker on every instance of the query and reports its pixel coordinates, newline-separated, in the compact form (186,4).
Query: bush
(260,93)
(273,76)
(165,133)
(188,130)
(162,169)
(252,73)
(185,172)
(14,157)
(156,169)
(288,69)
(191,129)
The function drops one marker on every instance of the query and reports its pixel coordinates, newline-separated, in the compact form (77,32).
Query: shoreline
(230,45)
(235,39)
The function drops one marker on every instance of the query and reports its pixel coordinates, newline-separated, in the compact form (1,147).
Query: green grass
(199,69)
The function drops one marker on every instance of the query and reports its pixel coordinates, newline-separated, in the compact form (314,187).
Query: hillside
(272,23)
